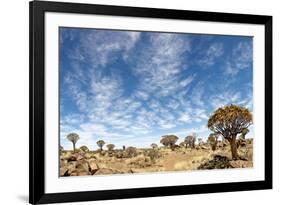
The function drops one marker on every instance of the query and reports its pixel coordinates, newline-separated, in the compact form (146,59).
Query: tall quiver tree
(73,137)
(100,143)
(229,121)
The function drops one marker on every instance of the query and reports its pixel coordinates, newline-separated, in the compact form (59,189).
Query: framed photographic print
(140,102)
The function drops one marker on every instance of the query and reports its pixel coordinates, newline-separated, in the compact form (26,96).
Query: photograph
(136,101)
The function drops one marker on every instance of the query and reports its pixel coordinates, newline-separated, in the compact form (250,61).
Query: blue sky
(130,88)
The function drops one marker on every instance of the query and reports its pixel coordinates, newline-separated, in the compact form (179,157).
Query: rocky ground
(82,163)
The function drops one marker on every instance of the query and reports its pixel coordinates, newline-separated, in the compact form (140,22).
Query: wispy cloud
(136,86)
(213,53)
(240,58)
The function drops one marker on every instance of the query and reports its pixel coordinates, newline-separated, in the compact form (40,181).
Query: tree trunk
(73,146)
(234,148)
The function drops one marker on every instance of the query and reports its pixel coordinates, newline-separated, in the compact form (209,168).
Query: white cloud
(214,51)
(100,46)
(240,59)
(225,98)
(160,64)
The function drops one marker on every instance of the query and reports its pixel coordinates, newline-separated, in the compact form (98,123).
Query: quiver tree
(154,146)
(100,143)
(110,147)
(73,137)
(84,148)
(229,121)
(213,141)
(190,141)
(169,141)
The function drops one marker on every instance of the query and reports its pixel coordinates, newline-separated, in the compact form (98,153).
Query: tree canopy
(230,120)
(110,147)
(100,143)
(169,140)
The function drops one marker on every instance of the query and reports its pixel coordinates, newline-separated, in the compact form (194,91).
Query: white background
(14,100)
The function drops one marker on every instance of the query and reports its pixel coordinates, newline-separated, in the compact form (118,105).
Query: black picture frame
(37,11)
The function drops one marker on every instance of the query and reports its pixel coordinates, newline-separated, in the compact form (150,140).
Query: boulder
(65,155)
(74,174)
(83,173)
(203,147)
(71,166)
(104,171)
(240,164)
(63,171)
(93,165)
(79,156)
(82,165)
(218,162)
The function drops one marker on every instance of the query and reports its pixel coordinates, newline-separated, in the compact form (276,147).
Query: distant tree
(229,121)
(84,148)
(154,146)
(131,151)
(169,141)
(190,140)
(124,147)
(100,143)
(73,137)
(110,147)
(213,141)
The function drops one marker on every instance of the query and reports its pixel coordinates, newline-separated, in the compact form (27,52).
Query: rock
(82,166)
(63,163)
(63,171)
(203,147)
(82,173)
(71,166)
(66,155)
(104,171)
(79,157)
(218,162)
(88,155)
(72,158)
(93,165)
(74,174)
(240,164)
